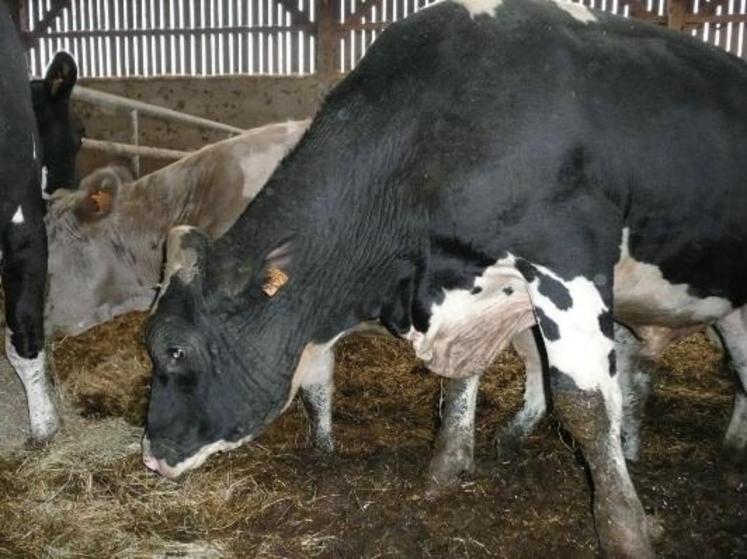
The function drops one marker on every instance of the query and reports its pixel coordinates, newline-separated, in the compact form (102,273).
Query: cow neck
(154,205)
(348,242)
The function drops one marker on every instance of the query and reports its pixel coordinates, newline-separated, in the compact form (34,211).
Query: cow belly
(469,327)
(644,297)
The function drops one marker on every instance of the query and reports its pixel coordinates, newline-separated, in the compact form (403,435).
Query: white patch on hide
(733,328)
(18,216)
(579,12)
(478,7)
(643,296)
(42,412)
(194,461)
(467,330)
(581,348)
(44,173)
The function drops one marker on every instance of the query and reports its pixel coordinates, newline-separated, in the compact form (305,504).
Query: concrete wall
(245,102)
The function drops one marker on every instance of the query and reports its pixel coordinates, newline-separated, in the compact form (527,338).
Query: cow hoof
(631,451)
(655,528)
(447,469)
(324,446)
(42,433)
(507,446)
(734,456)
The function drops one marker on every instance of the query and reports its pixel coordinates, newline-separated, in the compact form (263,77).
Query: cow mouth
(160,466)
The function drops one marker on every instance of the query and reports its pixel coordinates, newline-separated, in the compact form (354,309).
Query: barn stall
(87,493)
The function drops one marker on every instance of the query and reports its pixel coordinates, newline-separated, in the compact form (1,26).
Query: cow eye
(175,353)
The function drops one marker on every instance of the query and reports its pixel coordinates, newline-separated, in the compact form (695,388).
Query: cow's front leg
(733,330)
(508,440)
(577,329)
(455,441)
(24,277)
(317,388)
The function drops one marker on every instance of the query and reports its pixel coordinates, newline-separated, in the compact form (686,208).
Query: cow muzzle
(160,466)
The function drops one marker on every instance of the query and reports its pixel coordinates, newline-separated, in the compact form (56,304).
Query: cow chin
(160,465)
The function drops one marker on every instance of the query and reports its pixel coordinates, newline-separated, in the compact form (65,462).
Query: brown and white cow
(106,238)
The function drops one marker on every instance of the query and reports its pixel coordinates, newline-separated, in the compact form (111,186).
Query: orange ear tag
(274,280)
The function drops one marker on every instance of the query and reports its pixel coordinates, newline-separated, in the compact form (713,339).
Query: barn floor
(87,494)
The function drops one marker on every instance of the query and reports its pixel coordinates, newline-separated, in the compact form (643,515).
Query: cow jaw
(193,462)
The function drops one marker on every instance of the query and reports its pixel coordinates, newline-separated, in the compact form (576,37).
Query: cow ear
(98,192)
(276,269)
(186,256)
(61,76)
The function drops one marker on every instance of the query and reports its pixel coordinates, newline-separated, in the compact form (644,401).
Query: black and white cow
(486,165)
(23,239)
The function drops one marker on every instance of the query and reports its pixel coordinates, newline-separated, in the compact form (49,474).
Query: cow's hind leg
(24,279)
(455,442)
(508,440)
(577,327)
(733,330)
(317,389)
(634,384)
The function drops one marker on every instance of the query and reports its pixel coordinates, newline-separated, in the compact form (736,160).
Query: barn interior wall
(242,101)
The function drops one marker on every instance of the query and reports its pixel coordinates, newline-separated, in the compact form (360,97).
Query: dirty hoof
(507,447)
(736,480)
(631,450)
(448,469)
(44,432)
(324,445)
(655,528)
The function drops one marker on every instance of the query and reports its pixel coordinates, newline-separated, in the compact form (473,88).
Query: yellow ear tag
(274,280)
(103,201)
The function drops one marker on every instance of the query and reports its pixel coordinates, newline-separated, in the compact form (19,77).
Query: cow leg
(577,328)
(24,279)
(455,441)
(509,439)
(634,384)
(733,330)
(317,389)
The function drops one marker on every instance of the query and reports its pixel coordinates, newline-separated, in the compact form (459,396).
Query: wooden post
(327,39)
(676,13)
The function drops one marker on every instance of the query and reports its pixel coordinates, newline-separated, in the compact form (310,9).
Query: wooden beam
(363,11)
(93,33)
(31,37)
(298,17)
(676,12)
(328,38)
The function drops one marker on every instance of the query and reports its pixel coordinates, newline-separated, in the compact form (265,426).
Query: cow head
(89,266)
(60,134)
(213,388)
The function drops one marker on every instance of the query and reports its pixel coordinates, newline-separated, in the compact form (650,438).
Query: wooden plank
(31,37)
